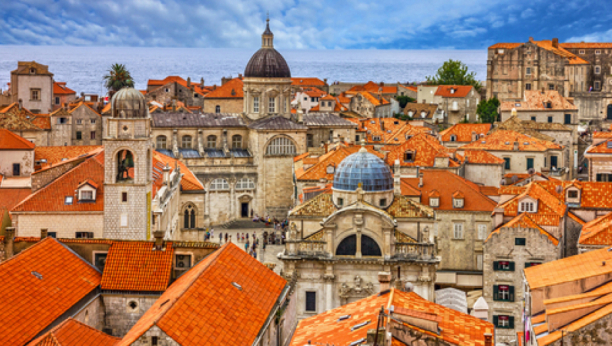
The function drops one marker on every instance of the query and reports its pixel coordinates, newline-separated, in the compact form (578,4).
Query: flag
(590,88)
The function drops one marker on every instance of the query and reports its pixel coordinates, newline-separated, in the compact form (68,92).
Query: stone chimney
(498,217)
(555,42)
(166,172)
(397,188)
(174,105)
(189,82)
(44,233)
(240,76)
(382,125)
(488,339)
(530,39)
(474,136)
(159,239)
(202,82)
(516,146)
(20,104)
(9,238)
(421,179)
(384,279)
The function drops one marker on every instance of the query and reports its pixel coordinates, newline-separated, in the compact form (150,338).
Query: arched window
(348,246)
(192,218)
(281,146)
(217,109)
(219,184)
(186,142)
(186,219)
(125,166)
(245,184)
(236,141)
(453,138)
(160,142)
(211,141)
(189,217)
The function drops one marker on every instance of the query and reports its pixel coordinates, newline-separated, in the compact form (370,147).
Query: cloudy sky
(301,24)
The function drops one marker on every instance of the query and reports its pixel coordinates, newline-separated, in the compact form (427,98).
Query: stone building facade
(369,105)
(32,83)
(507,251)
(175,88)
(86,126)
(458,102)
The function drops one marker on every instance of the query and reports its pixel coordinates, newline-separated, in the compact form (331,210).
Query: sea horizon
(83,68)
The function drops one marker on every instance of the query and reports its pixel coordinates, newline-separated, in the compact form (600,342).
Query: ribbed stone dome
(366,168)
(129,103)
(268,63)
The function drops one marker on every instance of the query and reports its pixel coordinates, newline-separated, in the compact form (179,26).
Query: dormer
(458,200)
(409,155)
(441,161)
(434,199)
(528,205)
(86,191)
(572,195)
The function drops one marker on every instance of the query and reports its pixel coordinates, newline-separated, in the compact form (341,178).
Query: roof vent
(483,142)
(38,275)
(507,143)
(237,286)
(362,324)
(526,143)
(342,318)
(360,341)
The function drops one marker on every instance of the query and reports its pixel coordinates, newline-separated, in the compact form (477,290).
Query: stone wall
(21,85)
(25,159)
(64,224)
(228,105)
(482,174)
(593,108)
(120,315)
(41,138)
(501,247)
(598,332)
(167,93)
(86,116)
(61,134)
(41,178)
(162,338)
(93,315)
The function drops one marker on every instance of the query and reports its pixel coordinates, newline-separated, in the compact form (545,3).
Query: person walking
(226,237)
(220,237)
(230,238)
(246,246)
(212,233)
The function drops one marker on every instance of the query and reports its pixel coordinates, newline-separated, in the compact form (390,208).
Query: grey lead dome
(366,168)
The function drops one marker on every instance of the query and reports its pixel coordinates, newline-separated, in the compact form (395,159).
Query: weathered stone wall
(40,179)
(120,315)
(598,332)
(593,107)
(466,107)
(64,224)
(61,134)
(518,159)
(25,159)
(171,91)
(487,175)
(86,116)
(93,314)
(38,137)
(500,247)
(21,85)
(228,105)
(599,165)
(162,338)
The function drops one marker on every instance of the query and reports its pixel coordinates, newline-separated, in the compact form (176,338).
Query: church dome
(365,168)
(267,62)
(129,103)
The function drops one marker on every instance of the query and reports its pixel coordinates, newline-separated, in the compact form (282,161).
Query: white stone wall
(42,82)
(487,175)
(120,317)
(163,338)
(64,224)
(25,159)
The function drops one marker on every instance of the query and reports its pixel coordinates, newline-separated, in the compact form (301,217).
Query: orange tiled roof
(597,232)
(60,88)
(231,89)
(197,87)
(83,104)
(586,45)
(313,92)
(489,190)
(328,98)
(601,148)
(524,221)
(15,119)
(9,198)
(403,206)
(596,195)
(55,155)
(425,149)
(42,121)
(12,141)
(393,131)
(373,88)
(331,158)
(454,327)
(189,182)
(373,99)
(204,307)
(535,100)
(602,134)
(446,184)
(549,210)
(453,90)
(137,266)
(306,81)
(503,140)
(573,59)
(41,291)
(52,196)
(482,157)
(74,333)
(463,132)
(505,45)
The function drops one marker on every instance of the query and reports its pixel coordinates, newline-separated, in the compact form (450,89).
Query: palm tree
(117,78)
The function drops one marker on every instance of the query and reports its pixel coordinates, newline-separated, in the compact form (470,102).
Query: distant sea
(83,67)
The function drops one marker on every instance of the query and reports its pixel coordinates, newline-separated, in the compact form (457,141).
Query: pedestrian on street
(226,237)
(230,238)
(212,232)
(246,246)
(220,237)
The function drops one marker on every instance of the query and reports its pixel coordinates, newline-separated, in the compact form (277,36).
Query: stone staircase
(244,224)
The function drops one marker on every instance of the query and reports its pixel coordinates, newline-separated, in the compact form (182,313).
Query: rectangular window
(551,87)
(383,202)
(79,135)
(182,261)
(482,232)
(479,262)
(34,94)
(124,220)
(596,85)
(79,121)
(100,260)
(124,197)
(57,100)
(93,121)
(533,118)
(271,105)
(526,207)
(458,231)
(506,162)
(581,51)
(52,234)
(529,162)
(256,104)
(572,194)
(604,177)
(87,235)
(504,293)
(311,301)
(340,202)
(520,241)
(154,341)
(597,69)
(598,52)
(550,119)
(567,119)
(528,71)
(68,200)
(528,86)
(506,266)
(553,162)
(92,135)
(503,321)
(87,195)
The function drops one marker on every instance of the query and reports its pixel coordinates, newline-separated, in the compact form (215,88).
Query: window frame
(219,184)
(310,296)
(35,94)
(520,241)
(458,229)
(186,139)
(211,142)
(255,104)
(236,142)
(271,105)
(482,231)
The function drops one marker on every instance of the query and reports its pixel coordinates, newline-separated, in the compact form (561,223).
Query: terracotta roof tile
(204,307)
(463,132)
(446,184)
(9,198)
(41,291)
(74,333)
(392,131)
(453,90)
(374,88)
(597,232)
(425,150)
(586,45)
(573,59)
(604,147)
(12,141)
(189,182)
(505,45)
(137,266)
(42,121)
(55,155)
(326,328)
(523,221)
(535,100)
(60,88)
(331,158)
(231,89)
(481,157)
(404,207)
(306,81)
(503,140)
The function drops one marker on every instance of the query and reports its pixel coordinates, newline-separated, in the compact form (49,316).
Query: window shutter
(495,292)
(511,293)
(495,265)
(511,322)
(511,266)
(495,321)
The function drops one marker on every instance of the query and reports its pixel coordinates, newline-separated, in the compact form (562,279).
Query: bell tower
(127,167)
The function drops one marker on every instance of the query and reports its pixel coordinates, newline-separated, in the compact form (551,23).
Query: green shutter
(495,292)
(495,321)
(511,266)
(495,265)
(511,293)
(510,322)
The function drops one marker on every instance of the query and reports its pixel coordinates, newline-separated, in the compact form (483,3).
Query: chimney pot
(44,233)
(159,239)
(384,278)
(488,339)
(555,42)
(9,239)
(20,104)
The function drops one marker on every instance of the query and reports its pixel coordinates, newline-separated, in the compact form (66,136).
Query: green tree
(454,72)
(487,110)
(404,100)
(118,77)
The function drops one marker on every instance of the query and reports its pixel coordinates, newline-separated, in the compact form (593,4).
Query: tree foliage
(118,77)
(454,72)
(487,110)
(404,100)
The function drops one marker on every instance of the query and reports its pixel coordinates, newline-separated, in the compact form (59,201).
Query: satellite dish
(531,171)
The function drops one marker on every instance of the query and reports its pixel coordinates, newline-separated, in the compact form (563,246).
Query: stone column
(388,239)
(232,203)
(329,288)
(175,143)
(358,253)
(201,143)
(328,238)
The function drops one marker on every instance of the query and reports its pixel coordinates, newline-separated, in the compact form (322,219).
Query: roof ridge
(24,251)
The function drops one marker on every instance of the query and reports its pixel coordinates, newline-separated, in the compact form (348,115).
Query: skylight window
(38,275)
(360,341)
(237,286)
(68,200)
(345,317)
(362,324)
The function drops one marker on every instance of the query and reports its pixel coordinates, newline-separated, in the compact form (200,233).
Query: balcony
(415,251)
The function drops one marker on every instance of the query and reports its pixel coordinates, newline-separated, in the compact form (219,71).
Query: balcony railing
(414,251)
(311,248)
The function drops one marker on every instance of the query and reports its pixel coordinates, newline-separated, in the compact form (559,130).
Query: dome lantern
(267,62)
